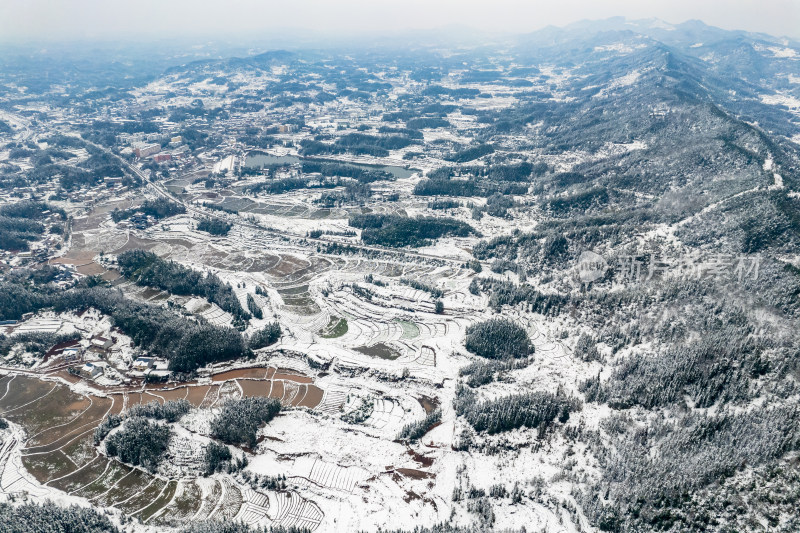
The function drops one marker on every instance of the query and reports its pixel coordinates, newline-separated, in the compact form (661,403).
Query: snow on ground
(225,165)
(789,102)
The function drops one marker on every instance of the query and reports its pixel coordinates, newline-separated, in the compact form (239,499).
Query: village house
(91,370)
(71,353)
(142,364)
(101,343)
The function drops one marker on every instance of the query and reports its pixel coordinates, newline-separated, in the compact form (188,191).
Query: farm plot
(23,391)
(111,474)
(180,393)
(62,456)
(138,500)
(157,507)
(13,476)
(54,409)
(185,504)
(380,350)
(336,328)
(196,395)
(290,389)
(247,373)
(211,496)
(83,476)
(332,476)
(298,300)
(230,503)
(292,510)
(333,400)
(255,507)
(387,413)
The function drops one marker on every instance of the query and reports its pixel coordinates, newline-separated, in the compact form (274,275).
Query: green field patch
(379,350)
(23,390)
(3,383)
(300,289)
(305,309)
(81,451)
(115,472)
(410,330)
(47,466)
(159,504)
(300,299)
(81,478)
(133,483)
(238,204)
(335,328)
(268,209)
(186,503)
(320,213)
(296,211)
(142,498)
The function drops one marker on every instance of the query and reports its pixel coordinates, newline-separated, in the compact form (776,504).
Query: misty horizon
(89,20)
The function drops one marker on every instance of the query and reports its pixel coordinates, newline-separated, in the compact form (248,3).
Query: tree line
(146,268)
(532,410)
(239,419)
(394,230)
(157,208)
(187,344)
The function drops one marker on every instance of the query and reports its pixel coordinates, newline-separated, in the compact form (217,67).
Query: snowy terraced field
(52,450)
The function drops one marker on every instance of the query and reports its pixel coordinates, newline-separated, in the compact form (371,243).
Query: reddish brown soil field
(414,473)
(252,387)
(277,390)
(297,378)
(255,373)
(171,395)
(196,394)
(312,398)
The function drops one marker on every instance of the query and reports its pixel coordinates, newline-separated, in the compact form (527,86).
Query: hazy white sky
(30,20)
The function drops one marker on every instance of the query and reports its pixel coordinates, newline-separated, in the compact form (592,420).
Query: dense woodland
(186,343)
(214,226)
(157,208)
(141,439)
(498,338)
(52,518)
(239,420)
(146,268)
(361,174)
(216,458)
(414,430)
(266,336)
(21,223)
(392,230)
(532,410)
(139,442)
(37,343)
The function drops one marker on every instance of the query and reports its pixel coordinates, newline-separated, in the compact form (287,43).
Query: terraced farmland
(58,451)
